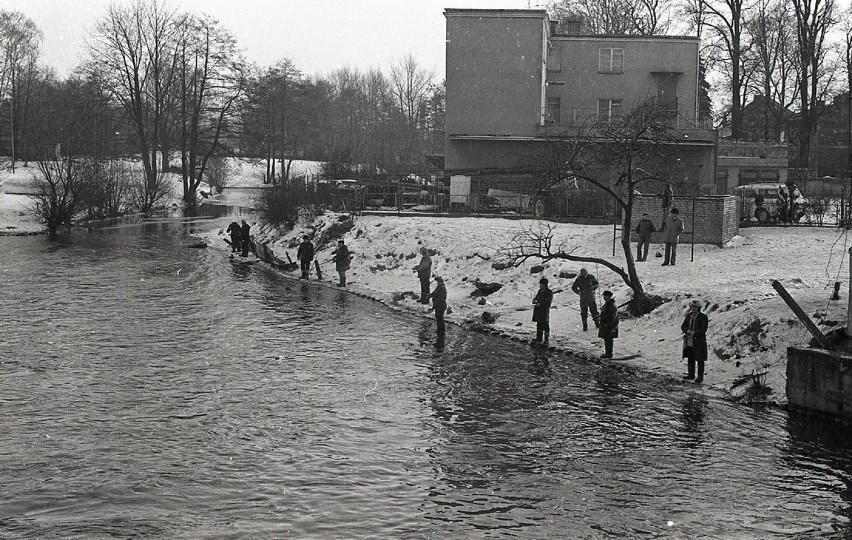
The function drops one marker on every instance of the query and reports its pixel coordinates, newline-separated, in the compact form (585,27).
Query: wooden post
(319,272)
(800,313)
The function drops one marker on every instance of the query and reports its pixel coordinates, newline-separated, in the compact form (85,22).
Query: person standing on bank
(245,238)
(667,196)
(235,232)
(439,303)
(541,312)
(694,330)
(608,329)
(673,232)
(424,272)
(342,257)
(644,229)
(585,285)
(305,256)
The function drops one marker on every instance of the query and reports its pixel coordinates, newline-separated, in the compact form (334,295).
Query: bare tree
(725,21)
(60,188)
(615,156)
(814,21)
(145,194)
(20,41)
(211,82)
(847,56)
(637,17)
(134,55)
(775,63)
(410,85)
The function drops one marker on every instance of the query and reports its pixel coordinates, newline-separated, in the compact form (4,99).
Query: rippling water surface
(152,390)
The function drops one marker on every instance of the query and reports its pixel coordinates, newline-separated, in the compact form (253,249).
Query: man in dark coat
(341,258)
(585,285)
(608,329)
(424,272)
(673,232)
(305,254)
(644,230)
(694,330)
(439,303)
(235,232)
(541,312)
(245,238)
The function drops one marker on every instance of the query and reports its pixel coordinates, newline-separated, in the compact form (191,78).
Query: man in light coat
(674,228)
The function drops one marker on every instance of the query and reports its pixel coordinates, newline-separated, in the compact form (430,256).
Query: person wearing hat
(342,257)
(541,312)
(608,329)
(424,272)
(694,330)
(439,302)
(673,230)
(305,254)
(644,230)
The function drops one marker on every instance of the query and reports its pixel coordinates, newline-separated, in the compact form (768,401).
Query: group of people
(787,202)
(240,237)
(694,326)
(585,286)
(672,230)
(341,257)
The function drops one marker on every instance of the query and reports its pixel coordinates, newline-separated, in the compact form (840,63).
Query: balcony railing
(588,117)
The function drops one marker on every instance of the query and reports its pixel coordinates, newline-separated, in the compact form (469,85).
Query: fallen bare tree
(616,155)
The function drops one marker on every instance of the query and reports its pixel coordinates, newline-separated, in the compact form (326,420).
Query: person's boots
(546,339)
(585,325)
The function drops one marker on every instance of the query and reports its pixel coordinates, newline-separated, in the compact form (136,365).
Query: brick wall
(716,219)
(819,380)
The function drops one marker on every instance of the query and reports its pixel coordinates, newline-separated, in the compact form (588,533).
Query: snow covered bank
(17,215)
(750,326)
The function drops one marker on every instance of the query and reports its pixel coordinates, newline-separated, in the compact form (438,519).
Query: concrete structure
(514,83)
(819,380)
(716,219)
(745,162)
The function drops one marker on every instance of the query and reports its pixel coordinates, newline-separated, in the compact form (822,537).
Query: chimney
(573,25)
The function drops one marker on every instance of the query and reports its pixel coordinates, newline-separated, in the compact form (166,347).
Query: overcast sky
(318,35)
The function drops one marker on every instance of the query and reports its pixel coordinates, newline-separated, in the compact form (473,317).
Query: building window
(554,59)
(609,110)
(552,111)
(611,60)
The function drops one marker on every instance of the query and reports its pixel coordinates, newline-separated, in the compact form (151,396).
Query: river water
(151,390)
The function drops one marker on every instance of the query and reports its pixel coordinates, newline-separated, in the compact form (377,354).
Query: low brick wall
(716,218)
(819,380)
